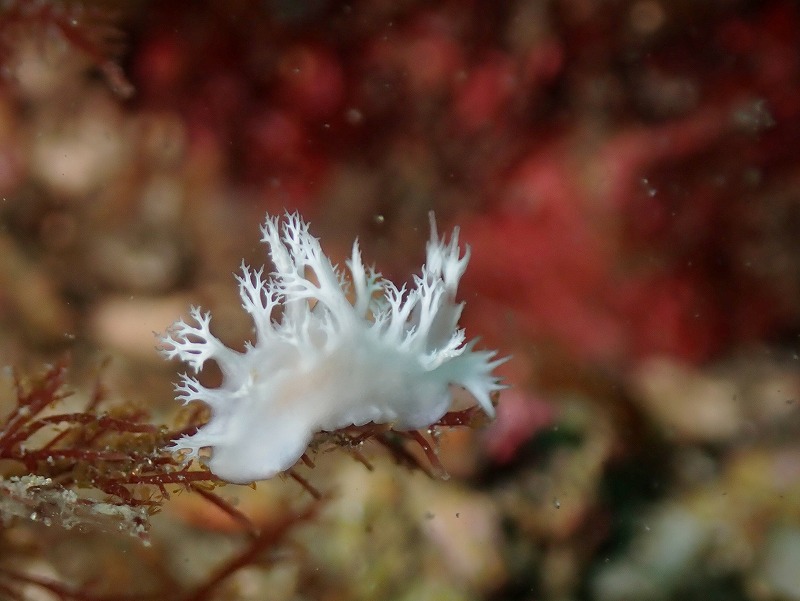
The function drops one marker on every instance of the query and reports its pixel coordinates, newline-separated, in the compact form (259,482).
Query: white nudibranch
(332,349)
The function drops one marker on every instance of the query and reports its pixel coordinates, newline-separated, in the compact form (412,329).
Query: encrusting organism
(332,349)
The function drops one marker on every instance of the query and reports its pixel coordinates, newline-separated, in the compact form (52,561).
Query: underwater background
(627,175)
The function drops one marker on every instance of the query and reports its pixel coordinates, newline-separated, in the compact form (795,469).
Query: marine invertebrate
(332,349)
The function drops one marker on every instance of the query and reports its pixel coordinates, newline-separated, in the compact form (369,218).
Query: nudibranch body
(332,348)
